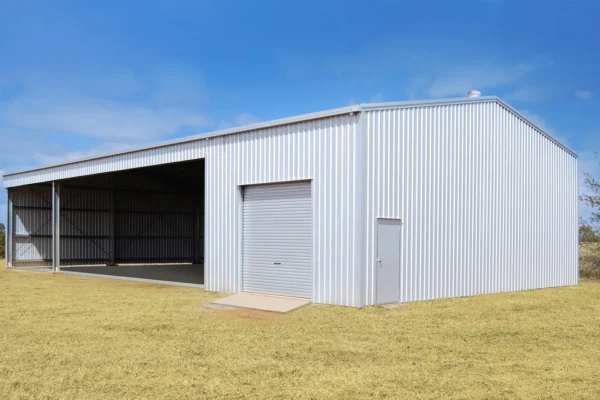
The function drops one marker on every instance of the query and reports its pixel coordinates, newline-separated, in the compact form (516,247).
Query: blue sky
(79,78)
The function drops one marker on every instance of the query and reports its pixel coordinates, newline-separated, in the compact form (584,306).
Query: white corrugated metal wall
(84,226)
(153,225)
(488,203)
(323,151)
(32,227)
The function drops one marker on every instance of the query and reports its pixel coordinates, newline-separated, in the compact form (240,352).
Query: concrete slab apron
(263,302)
(130,279)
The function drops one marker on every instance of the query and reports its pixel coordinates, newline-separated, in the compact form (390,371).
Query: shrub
(589,260)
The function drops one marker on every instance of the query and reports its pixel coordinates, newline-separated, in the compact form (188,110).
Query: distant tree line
(587,234)
(589,238)
(592,199)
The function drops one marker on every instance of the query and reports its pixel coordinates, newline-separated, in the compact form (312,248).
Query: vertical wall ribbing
(9,232)
(55,226)
(488,203)
(322,151)
(360,170)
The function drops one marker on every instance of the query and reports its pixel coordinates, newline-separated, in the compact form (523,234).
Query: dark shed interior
(152,217)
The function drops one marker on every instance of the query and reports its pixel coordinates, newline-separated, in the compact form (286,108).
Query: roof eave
(420,103)
(528,121)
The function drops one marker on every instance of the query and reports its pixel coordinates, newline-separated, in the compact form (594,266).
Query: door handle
(379,260)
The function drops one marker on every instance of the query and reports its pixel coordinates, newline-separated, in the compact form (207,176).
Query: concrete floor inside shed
(181,273)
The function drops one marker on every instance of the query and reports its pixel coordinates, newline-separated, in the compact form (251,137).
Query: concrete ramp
(263,302)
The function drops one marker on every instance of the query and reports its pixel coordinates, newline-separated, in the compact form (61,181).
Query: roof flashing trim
(426,103)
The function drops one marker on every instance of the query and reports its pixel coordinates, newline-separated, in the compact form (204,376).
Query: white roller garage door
(277,239)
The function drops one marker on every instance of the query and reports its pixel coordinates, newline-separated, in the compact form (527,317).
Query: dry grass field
(65,337)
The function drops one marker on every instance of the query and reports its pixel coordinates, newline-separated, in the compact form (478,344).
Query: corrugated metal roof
(301,118)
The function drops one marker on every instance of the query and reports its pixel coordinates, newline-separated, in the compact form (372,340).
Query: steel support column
(9,232)
(111,245)
(55,226)
(197,244)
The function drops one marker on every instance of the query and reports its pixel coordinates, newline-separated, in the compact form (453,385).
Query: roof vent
(474,93)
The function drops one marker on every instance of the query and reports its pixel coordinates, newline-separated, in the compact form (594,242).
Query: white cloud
(422,72)
(537,119)
(543,124)
(240,120)
(527,94)
(70,155)
(378,98)
(584,94)
(417,83)
(118,83)
(458,81)
(97,118)
(180,85)
(352,101)
(64,117)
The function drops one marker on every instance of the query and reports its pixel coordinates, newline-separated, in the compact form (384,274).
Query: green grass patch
(66,337)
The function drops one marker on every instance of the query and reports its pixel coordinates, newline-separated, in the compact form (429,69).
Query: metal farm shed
(356,206)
